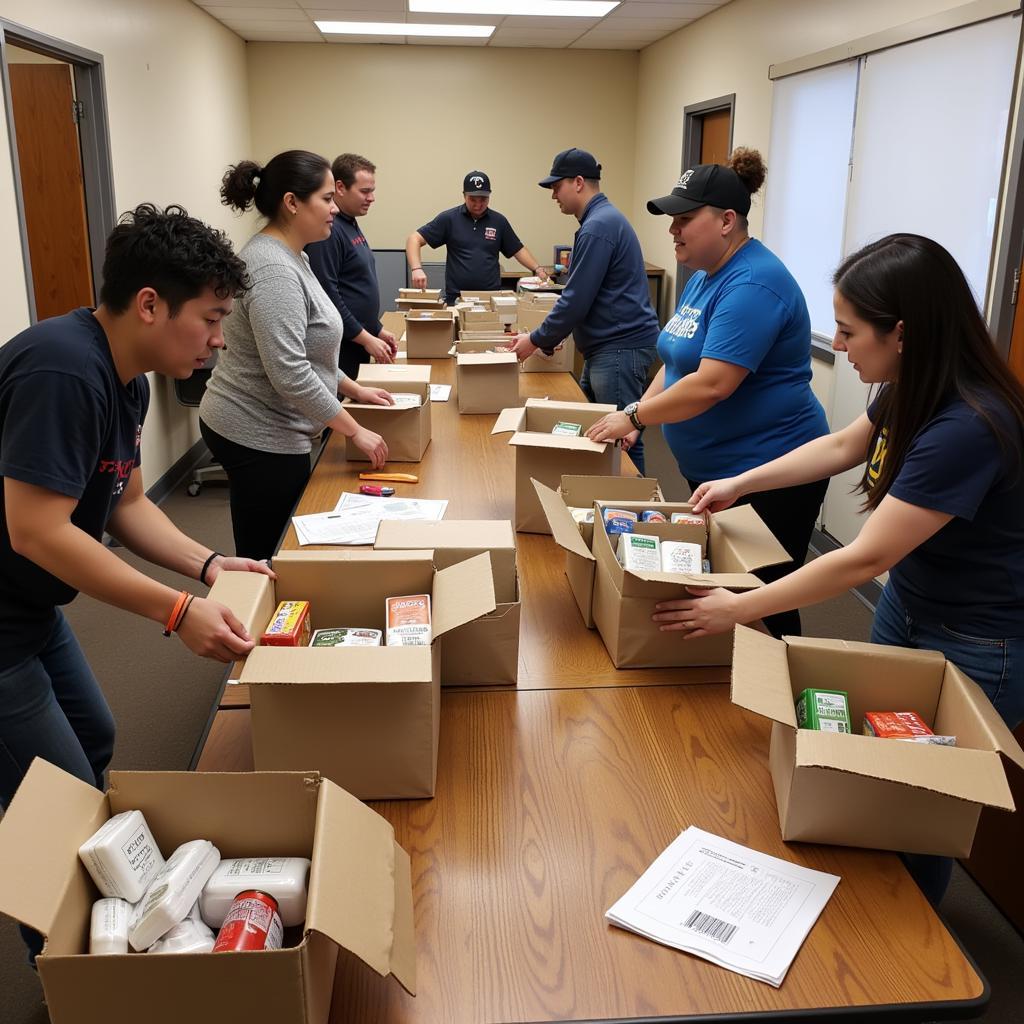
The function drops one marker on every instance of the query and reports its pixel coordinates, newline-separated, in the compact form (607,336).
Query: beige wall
(177,102)
(426,115)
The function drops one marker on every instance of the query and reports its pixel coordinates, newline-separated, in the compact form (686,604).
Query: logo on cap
(685,177)
(476,181)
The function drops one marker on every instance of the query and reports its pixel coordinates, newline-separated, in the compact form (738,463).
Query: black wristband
(206,566)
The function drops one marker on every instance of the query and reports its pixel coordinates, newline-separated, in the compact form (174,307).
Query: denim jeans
(52,707)
(618,376)
(996,665)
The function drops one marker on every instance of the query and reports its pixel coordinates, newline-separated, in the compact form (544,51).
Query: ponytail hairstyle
(947,349)
(296,170)
(748,165)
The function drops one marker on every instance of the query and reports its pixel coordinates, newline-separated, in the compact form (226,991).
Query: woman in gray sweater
(276,384)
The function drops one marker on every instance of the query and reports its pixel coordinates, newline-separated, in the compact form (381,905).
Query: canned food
(653,516)
(251,923)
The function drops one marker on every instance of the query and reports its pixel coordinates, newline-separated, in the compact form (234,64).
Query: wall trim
(867,593)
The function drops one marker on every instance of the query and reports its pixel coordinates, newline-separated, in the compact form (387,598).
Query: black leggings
(790,513)
(265,487)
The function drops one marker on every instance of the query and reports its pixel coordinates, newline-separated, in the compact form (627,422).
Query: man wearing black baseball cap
(606,303)
(474,236)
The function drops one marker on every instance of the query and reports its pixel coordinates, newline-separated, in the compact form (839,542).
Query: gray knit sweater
(275,383)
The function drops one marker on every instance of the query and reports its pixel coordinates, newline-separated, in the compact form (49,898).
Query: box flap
(51,815)
(469,534)
(564,442)
(583,491)
(509,420)
(250,595)
(974,775)
(548,403)
(748,542)
(564,530)
(760,676)
(326,665)
(356,872)
(462,592)
(995,734)
(729,580)
(485,358)
(387,374)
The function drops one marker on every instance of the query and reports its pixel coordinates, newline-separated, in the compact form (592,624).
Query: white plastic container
(108,929)
(122,856)
(639,552)
(188,936)
(173,892)
(284,878)
(681,556)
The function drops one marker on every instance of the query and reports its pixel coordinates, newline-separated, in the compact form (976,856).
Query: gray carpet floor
(161,696)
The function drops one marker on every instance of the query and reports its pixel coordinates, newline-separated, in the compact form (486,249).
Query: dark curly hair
(172,253)
(296,170)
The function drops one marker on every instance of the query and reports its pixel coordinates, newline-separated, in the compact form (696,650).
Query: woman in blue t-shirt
(735,388)
(943,478)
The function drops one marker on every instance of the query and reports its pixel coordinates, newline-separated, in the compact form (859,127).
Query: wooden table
(554,797)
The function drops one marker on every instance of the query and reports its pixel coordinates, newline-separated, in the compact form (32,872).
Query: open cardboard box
(486,382)
(365,717)
(735,541)
(576,538)
(429,333)
(406,431)
(486,296)
(543,456)
(486,650)
(360,894)
(531,315)
(419,293)
(855,790)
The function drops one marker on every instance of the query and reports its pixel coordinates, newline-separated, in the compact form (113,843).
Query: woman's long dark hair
(947,349)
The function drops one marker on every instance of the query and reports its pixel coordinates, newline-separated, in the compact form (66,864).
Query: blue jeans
(618,376)
(996,665)
(52,707)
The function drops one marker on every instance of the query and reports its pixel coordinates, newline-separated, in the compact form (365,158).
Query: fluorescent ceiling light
(400,28)
(548,8)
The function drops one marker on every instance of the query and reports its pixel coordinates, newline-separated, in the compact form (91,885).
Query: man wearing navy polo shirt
(606,303)
(474,235)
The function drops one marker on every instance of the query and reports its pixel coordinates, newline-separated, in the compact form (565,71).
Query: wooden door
(1016,357)
(714,137)
(53,193)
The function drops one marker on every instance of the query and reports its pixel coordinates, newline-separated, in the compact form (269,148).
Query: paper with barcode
(724,902)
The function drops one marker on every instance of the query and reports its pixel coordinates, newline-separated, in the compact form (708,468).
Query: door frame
(94,137)
(693,126)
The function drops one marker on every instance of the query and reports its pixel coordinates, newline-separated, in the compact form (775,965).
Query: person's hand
(419,279)
(230,563)
(714,495)
(543,274)
(389,339)
(374,396)
(522,347)
(372,445)
(630,439)
(611,427)
(704,613)
(379,349)
(213,631)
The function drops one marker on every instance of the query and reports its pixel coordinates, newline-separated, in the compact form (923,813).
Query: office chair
(189,392)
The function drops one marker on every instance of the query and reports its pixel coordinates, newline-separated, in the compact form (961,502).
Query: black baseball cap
(476,183)
(570,163)
(704,185)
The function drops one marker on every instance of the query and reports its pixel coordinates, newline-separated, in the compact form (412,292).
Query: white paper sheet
(738,908)
(356,517)
(440,392)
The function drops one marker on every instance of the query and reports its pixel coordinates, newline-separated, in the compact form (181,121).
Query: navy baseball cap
(476,183)
(570,163)
(704,185)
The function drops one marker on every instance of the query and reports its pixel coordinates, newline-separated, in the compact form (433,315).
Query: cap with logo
(571,163)
(704,185)
(476,183)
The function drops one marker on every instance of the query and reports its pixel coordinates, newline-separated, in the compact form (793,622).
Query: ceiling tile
(282,14)
(218,5)
(333,7)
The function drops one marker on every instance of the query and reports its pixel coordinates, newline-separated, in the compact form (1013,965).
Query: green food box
(346,637)
(573,429)
(824,710)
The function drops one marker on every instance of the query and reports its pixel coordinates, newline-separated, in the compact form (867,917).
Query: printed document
(440,392)
(738,908)
(356,517)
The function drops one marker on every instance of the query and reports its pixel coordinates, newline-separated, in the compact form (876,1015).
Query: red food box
(290,626)
(895,725)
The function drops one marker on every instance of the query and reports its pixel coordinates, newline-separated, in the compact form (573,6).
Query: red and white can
(251,923)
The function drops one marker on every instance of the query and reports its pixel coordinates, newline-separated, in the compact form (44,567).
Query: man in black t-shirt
(475,236)
(73,397)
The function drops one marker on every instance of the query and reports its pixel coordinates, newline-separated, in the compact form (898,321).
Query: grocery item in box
(902,725)
(290,626)
(188,936)
(687,518)
(619,520)
(404,400)
(122,857)
(408,620)
(639,552)
(284,878)
(824,710)
(582,515)
(653,516)
(108,927)
(346,637)
(680,556)
(252,923)
(572,429)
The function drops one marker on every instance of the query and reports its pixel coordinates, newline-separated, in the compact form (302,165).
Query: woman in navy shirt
(943,479)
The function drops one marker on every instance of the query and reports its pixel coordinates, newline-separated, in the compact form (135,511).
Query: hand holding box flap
(564,529)
(352,886)
(250,595)
(38,873)
(760,676)
(462,592)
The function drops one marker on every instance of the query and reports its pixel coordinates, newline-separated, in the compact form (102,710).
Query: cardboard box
(481,342)
(360,894)
(486,650)
(365,717)
(486,382)
(576,538)
(429,334)
(419,293)
(485,296)
(479,318)
(406,431)
(854,790)
(546,457)
(530,316)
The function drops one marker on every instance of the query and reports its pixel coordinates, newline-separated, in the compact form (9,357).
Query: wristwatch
(631,412)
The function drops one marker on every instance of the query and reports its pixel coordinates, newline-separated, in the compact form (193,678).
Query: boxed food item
(288,626)
(639,553)
(618,520)
(546,457)
(366,717)
(108,926)
(682,556)
(122,857)
(429,333)
(486,382)
(568,429)
(346,636)
(360,893)
(852,790)
(406,427)
(284,878)
(408,621)
(902,725)
(824,710)
(405,400)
